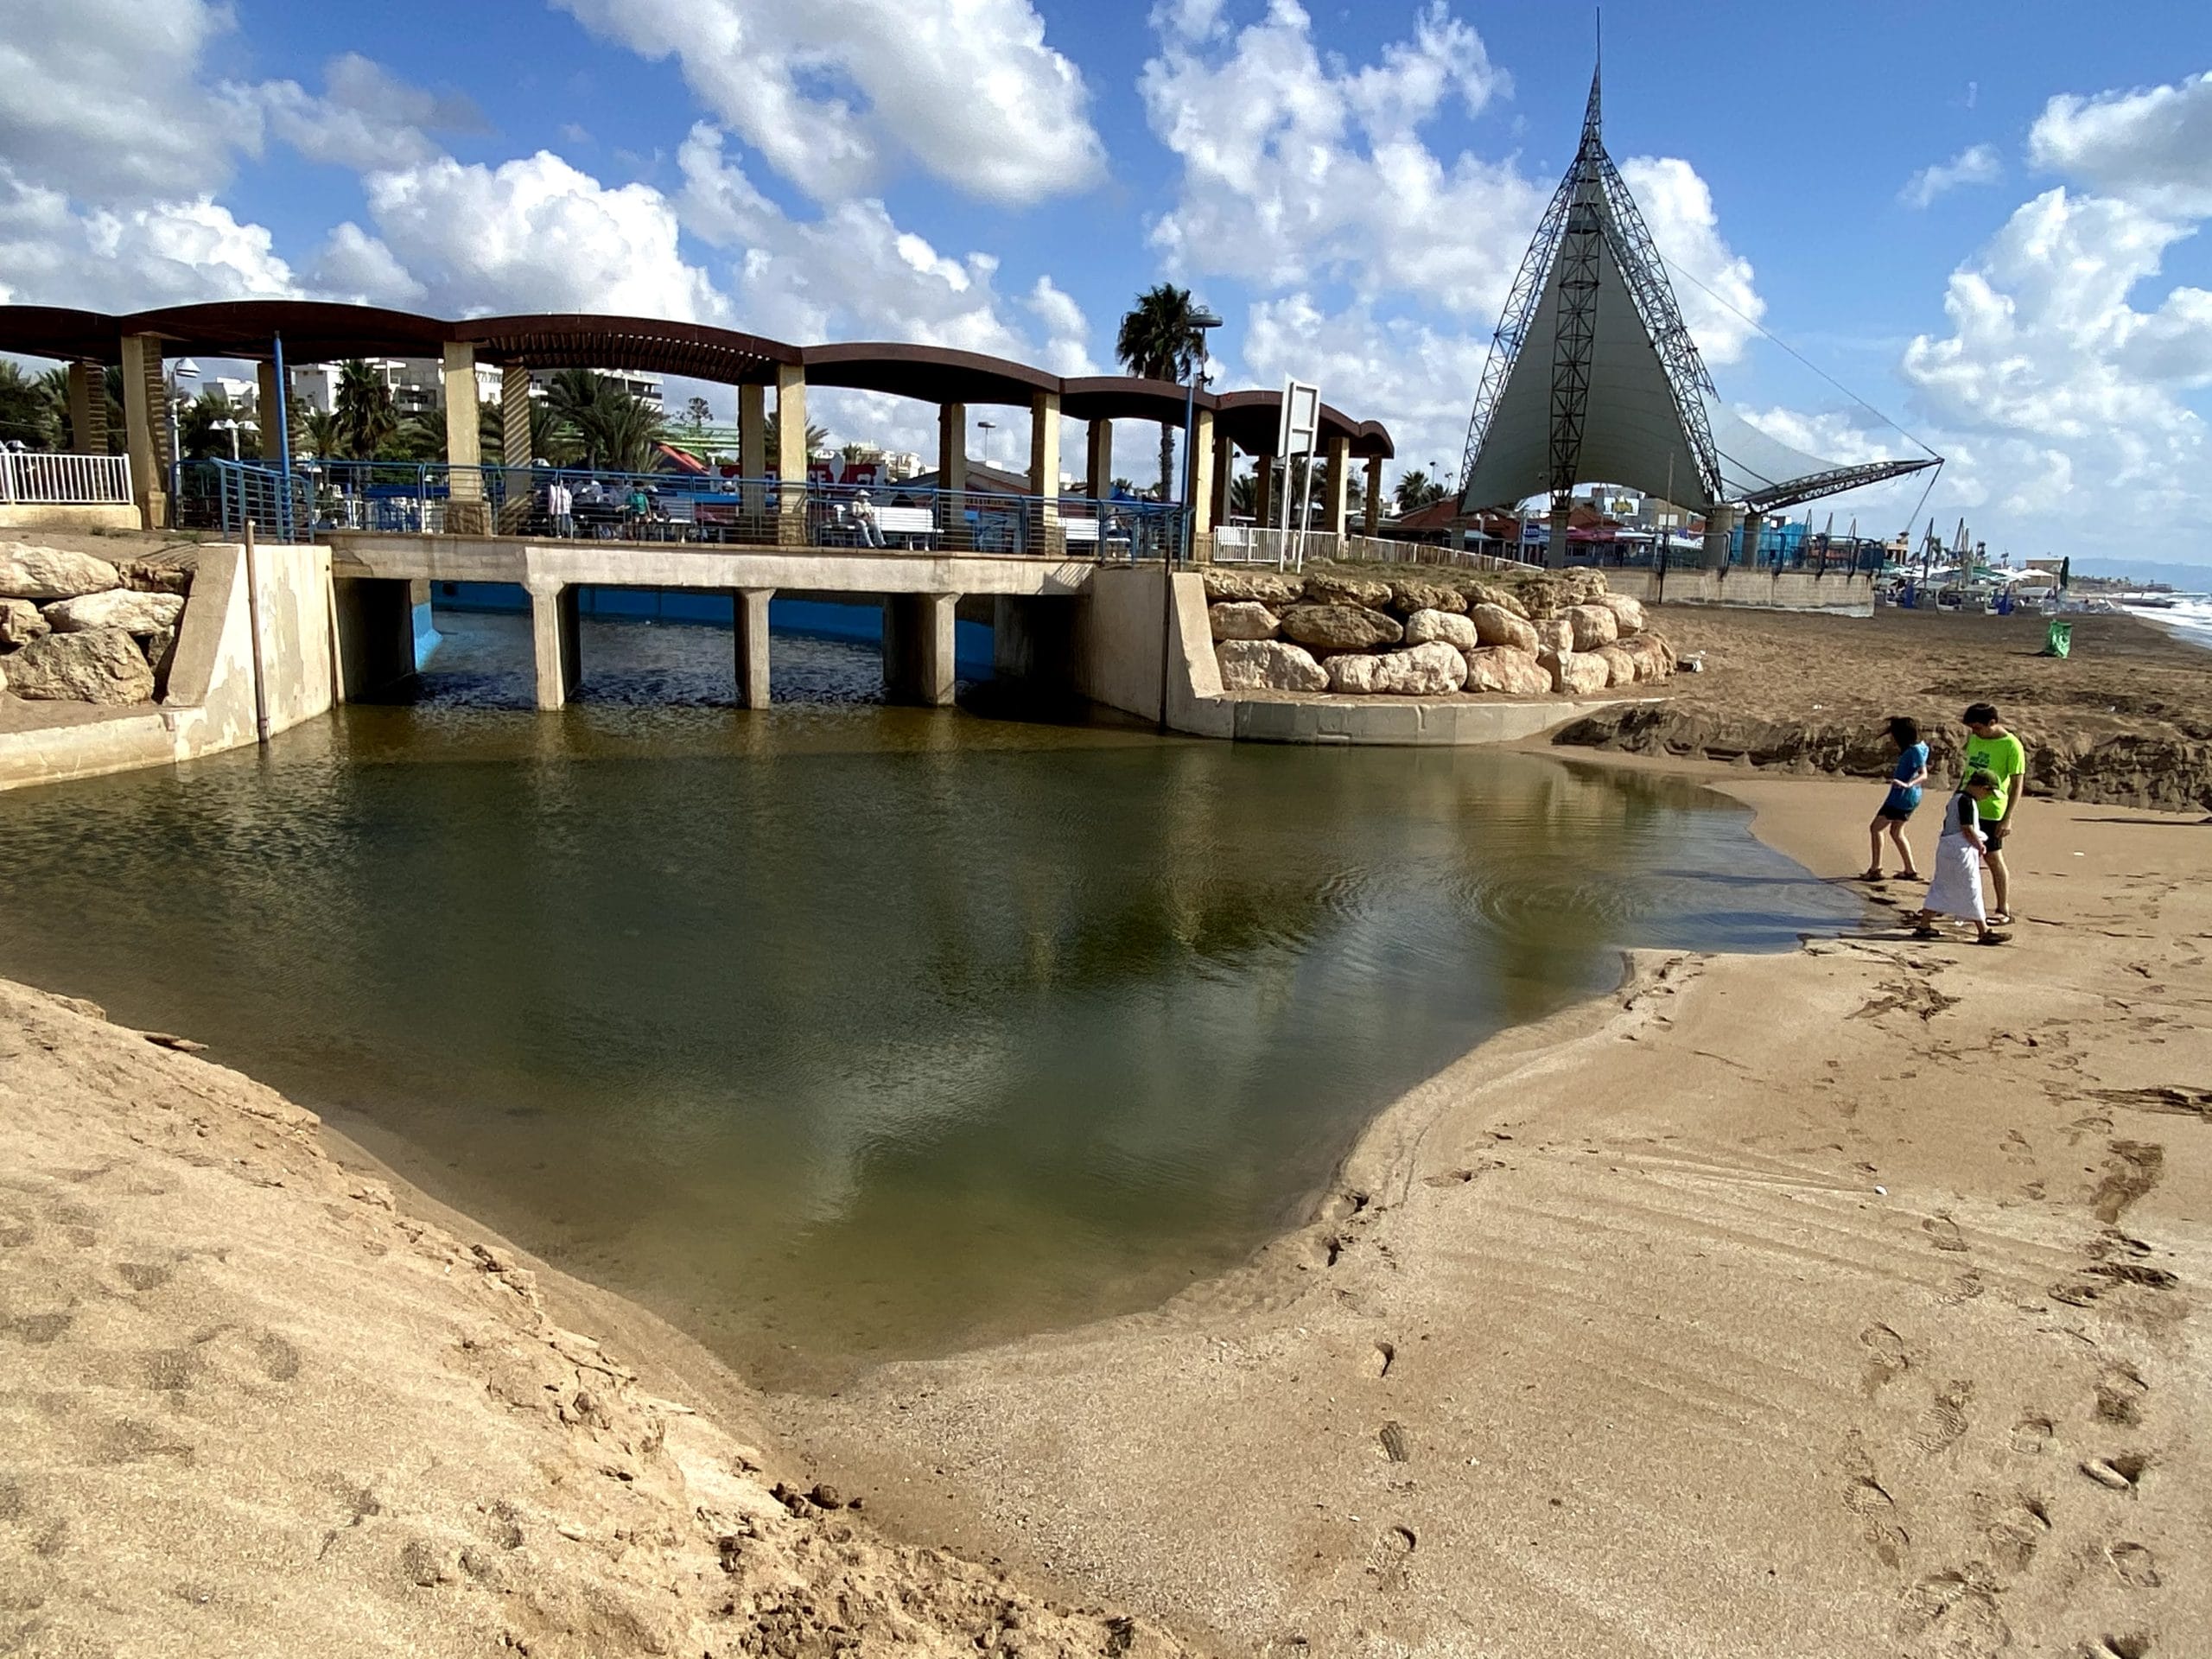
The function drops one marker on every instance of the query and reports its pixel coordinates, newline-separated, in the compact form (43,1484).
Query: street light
(988,427)
(185,370)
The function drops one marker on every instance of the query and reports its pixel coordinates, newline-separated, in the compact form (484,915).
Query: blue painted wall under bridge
(811,618)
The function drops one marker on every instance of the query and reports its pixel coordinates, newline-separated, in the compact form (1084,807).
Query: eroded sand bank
(1847,1302)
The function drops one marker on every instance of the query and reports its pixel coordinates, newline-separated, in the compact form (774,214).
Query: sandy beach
(1844,1301)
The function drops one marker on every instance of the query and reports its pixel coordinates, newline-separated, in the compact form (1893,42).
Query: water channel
(840,1030)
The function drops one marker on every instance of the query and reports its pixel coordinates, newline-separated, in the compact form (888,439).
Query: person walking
(1992,749)
(561,507)
(1898,805)
(1956,889)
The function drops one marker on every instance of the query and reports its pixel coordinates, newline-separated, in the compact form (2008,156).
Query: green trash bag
(2059,642)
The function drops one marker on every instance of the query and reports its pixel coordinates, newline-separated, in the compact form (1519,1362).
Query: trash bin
(2059,641)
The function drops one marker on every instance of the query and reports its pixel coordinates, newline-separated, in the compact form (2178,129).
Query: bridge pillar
(517,447)
(918,644)
(1339,486)
(554,642)
(1263,491)
(1754,522)
(1562,525)
(952,475)
(269,399)
(1720,521)
(1098,460)
(1371,522)
(751,605)
(376,633)
(1225,467)
(465,509)
(751,458)
(88,407)
(1199,493)
(145,425)
(1047,538)
(790,454)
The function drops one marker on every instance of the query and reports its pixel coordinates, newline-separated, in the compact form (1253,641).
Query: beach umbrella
(2066,571)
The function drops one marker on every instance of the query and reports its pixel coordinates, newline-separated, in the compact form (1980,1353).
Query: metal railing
(434,497)
(29,478)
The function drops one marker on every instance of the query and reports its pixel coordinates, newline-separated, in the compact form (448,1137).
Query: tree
(1416,489)
(421,436)
(696,413)
(1159,341)
(27,414)
(199,435)
(612,428)
(817,437)
(320,433)
(367,417)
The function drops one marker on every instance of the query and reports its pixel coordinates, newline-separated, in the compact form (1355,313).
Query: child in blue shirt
(1905,780)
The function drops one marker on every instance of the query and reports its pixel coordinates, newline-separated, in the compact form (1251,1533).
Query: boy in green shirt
(1996,751)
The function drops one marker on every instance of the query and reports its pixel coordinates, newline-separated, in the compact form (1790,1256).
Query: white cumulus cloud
(1978,165)
(837,95)
(2153,146)
(365,117)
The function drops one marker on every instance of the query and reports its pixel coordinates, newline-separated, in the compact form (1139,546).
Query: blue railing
(434,497)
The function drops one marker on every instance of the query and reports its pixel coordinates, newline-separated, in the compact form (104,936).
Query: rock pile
(1550,631)
(77,628)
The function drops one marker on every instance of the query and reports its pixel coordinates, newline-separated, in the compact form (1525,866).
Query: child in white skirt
(1956,889)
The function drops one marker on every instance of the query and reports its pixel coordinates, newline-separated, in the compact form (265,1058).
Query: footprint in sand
(1379,1359)
(1943,1233)
(1954,1615)
(2120,1391)
(2016,1532)
(1941,1426)
(2134,1564)
(1877,1511)
(1885,1357)
(1961,1288)
(2123,1473)
(2031,1436)
(2133,1169)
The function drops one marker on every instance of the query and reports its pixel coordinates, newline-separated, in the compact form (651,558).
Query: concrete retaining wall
(1764,590)
(210,706)
(34,515)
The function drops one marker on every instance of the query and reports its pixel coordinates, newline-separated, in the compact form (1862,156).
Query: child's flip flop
(1994,938)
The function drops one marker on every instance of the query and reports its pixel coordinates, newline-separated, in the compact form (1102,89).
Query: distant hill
(2188,578)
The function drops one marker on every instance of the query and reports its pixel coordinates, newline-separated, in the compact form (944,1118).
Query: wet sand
(1846,1301)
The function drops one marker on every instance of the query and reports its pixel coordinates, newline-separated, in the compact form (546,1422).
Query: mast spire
(1592,117)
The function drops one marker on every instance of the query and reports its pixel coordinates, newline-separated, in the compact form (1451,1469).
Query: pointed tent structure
(1593,376)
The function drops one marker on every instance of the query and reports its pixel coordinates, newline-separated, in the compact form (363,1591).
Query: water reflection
(845,1029)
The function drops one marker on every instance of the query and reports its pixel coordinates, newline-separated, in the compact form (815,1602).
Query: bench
(907,524)
(1073,530)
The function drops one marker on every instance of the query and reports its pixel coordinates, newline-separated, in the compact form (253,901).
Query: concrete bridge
(376,579)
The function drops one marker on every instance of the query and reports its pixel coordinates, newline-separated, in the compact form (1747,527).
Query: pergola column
(1339,486)
(1199,505)
(88,407)
(465,514)
(268,406)
(1098,460)
(1720,521)
(1371,522)
(952,474)
(1224,467)
(752,608)
(517,449)
(1754,522)
(752,453)
(145,426)
(1044,473)
(790,454)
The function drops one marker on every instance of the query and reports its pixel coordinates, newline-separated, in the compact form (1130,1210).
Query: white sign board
(1298,433)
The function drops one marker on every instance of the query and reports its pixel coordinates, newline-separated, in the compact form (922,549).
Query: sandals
(1993,939)
(1874,874)
(1927,930)
(2001,919)
(1909,875)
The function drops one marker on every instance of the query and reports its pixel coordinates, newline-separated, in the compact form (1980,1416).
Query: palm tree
(817,437)
(367,419)
(420,436)
(321,432)
(625,433)
(1416,489)
(198,436)
(1159,339)
(118,440)
(27,414)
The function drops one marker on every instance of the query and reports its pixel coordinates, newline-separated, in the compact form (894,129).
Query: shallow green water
(841,1031)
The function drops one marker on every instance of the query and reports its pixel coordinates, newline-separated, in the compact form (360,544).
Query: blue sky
(1349,185)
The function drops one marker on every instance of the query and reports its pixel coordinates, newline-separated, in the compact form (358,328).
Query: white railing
(63,480)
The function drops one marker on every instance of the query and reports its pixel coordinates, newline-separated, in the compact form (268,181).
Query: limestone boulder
(1424,626)
(1267,665)
(103,665)
(161,651)
(1483,592)
(146,577)
(47,573)
(1593,624)
(1628,614)
(1654,657)
(1347,590)
(1410,598)
(1498,626)
(1243,619)
(21,623)
(1553,634)
(1257,587)
(1340,627)
(1621,664)
(1429,671)
(1503,668)
(119,608)
(1576,673)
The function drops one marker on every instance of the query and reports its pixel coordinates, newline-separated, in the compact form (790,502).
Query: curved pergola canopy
(314,331)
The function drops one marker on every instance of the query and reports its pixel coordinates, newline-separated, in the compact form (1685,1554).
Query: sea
(2190,618)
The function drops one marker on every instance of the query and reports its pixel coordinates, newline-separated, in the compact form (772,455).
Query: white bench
(1079,530)
(906,522)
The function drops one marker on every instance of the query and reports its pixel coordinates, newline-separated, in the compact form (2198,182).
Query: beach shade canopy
(1593,375)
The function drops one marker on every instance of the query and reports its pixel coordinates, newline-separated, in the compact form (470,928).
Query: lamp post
(987,427)
(185,370)
(1201,319)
